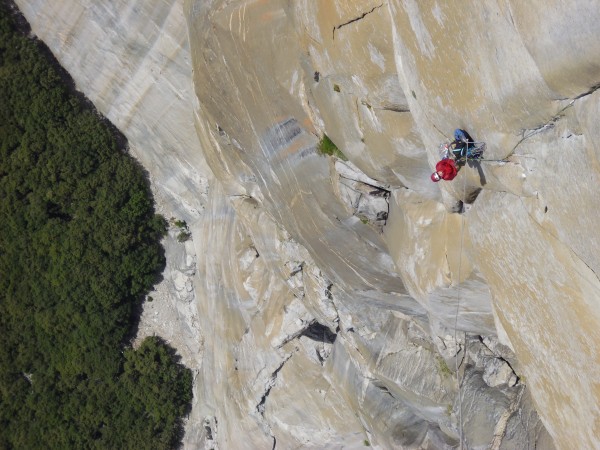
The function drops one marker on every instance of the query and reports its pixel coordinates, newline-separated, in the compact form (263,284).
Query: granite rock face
(340,304)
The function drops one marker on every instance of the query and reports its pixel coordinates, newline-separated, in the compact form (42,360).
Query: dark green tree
(79,250)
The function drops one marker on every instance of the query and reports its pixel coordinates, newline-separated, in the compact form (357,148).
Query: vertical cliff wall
(339,302)
(388,82)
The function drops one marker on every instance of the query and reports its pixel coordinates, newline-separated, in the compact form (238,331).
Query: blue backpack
(474,150)
(461,135)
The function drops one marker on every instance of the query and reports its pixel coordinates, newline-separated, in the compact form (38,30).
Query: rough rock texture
(339,303)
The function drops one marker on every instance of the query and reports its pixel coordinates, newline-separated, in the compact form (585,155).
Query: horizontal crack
(555,118)
(386,191)
(394,108)
(355,19)
(543,127)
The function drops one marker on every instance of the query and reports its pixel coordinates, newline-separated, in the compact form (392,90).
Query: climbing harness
(473,150)
(474,153)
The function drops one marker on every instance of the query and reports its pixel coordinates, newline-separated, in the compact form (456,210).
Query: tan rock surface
(387,82)
(320,324)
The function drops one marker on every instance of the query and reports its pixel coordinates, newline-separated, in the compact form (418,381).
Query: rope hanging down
(458,381)
(462,227)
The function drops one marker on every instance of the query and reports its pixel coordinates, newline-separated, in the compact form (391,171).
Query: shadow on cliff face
(319,333)
(477,165)
(470,198)
(469,193)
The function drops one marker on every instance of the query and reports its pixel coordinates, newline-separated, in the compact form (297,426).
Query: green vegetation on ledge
(184,233)
(79,250)
(443,367)
(327,147)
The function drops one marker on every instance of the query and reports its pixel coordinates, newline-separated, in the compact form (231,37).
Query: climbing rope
(462,231)
(458,290)
(458,382)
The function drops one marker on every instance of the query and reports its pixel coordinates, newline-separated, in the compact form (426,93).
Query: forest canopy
(79,250)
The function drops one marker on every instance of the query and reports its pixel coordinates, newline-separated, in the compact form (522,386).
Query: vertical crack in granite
(501,425)
(260,407)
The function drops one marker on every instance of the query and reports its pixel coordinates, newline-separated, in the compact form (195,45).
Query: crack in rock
(593,89)
(394,108)
(260,408)
(383,388)
(210,424)
(356,19)
(526,134)
(550,124)
(502,424)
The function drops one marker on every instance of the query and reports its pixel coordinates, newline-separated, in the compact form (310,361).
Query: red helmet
(435,177)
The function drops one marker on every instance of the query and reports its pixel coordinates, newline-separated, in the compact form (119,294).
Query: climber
(455,155)
(444,170)
(460,146)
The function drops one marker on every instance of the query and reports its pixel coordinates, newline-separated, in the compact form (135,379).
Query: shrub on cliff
(79,249)
(327,147)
